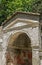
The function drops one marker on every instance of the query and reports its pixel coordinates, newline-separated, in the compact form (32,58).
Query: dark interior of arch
(19,56)
(22,40)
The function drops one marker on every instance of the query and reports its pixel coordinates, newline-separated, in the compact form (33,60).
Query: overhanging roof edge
(28,13)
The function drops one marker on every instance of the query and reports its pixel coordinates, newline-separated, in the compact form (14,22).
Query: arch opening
(19,50)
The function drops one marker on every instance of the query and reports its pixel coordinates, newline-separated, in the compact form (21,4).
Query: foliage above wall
(8,7)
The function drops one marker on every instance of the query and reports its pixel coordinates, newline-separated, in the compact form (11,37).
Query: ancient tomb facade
(20,42)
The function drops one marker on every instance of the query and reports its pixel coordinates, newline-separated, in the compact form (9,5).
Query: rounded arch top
(19,40)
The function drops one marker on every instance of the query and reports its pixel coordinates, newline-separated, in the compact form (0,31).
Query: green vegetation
(8,7)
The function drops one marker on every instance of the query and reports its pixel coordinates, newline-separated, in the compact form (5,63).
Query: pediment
(21,23)
(20,19)
(17,23)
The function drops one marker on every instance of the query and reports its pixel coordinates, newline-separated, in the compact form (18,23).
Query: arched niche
(19,51)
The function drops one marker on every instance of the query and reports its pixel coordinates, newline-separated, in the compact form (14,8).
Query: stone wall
(1,48)
(31,30)
(33,35)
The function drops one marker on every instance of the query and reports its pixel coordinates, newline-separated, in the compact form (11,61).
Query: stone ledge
(40,54)
(35,47)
